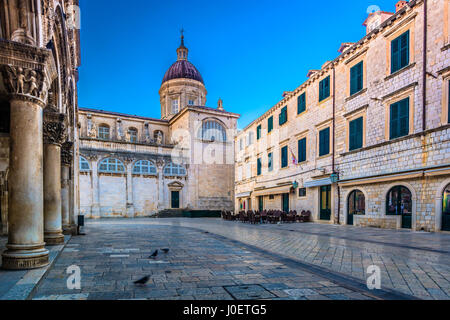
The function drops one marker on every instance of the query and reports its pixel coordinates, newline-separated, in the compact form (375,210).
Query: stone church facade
(366,139)
(39,57)
(132,166)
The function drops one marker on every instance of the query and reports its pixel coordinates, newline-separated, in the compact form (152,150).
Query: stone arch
(136,162)
(411,189)
(347,194)
(216,124)
(438,204)
(116,160)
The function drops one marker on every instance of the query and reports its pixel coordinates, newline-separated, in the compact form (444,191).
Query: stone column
(54,135)
(130,205)
(66,162)
(28,95)
(95,210)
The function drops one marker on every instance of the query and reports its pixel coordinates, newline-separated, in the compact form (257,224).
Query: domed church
(180,164)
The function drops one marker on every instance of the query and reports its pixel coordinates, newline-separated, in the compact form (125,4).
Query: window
(356,134)
(302,150)
(111,166)
(400,52)
(212,131)
(270,162)
(283,116)
(399,201)
(175,108)
(271,197)
(302,192)
(173,169)
(103,132)
(248,170)
(258,132)
(270,124)
(144,167)
(259,167)
(250,139)
(239,174)
(284,157)
(356,78)
(241,144)
(84,165)
(301,103)
(191,102)
(324,142)
(133,134)
(399,119)
(324,88)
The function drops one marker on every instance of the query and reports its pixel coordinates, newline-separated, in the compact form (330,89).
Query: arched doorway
(446,209)
(356,205)
(399,202)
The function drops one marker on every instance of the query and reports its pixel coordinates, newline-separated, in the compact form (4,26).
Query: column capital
(27,71)
(54,128)
(67,153)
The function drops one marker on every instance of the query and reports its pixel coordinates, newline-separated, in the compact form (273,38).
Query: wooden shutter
(324,142)
(395,55)
(359,133)
(404,49)
(301,102)
(393,128)
(403,117)
(302,150)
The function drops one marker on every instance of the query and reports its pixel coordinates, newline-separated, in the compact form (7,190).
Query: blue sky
(248,51)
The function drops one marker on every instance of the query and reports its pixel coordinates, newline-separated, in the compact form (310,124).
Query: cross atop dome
(182,51)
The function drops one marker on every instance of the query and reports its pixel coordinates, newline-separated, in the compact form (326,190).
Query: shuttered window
(302,150)
(400,52)
(259,166)
(284,157)
(258,132)
(301,103)
(356,134)
(270,124)
(283,116)
(399,119)
(356,78)
(324,88)
(324,142)
(270,162)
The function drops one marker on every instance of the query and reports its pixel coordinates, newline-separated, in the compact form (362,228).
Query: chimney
(311,73)
(399,6)
(286,93)
(345,46)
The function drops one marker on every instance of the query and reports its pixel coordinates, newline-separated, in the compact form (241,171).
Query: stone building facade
(39,57)
(376,123)
(132,166)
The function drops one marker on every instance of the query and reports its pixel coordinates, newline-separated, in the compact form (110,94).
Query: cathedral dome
(182,69)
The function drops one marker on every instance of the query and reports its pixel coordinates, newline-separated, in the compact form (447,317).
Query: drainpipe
(424,73)
(334,136)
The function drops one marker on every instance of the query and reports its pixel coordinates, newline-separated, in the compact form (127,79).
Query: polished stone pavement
(200,265)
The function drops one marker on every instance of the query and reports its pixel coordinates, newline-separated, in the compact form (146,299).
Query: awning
(318,183)
(244,194)
(273,191)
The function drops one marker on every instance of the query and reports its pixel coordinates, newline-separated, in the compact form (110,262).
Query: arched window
(446,209)
(356,205)
(84,165)
(399,202)
(111,165)
(144,167)
(173,169)
(133,134)
(212,131)
(103,132)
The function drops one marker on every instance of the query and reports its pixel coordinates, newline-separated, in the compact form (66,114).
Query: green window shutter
(284,156)
(270,124)
(404,117)
(302,150)
(301,103)
(259,167)
(283,116)
(356,134)
(324,142)
(394,121)
(404,49)
(258,132)
(270,162)
(356,78)
(324,88)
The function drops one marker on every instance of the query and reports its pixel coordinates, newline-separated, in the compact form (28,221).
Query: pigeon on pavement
(154,254)
(144,280)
